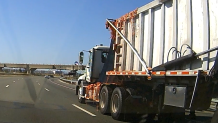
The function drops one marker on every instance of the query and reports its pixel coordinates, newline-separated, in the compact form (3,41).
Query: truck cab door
(88,67)
(96,62)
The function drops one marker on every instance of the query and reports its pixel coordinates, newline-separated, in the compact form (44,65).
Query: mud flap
(135,104)
(202,94)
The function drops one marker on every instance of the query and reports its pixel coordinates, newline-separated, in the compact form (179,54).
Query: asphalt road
(34,99)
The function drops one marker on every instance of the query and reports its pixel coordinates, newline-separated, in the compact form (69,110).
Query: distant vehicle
(47,77)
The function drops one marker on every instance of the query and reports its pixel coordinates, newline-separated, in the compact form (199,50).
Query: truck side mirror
(81,55)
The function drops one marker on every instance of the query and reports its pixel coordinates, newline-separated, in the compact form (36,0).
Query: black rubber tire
(77,87)
(81,100)
(130,113)
(131,91)
(104,102)
(76,91)
(133,111)
(119,95)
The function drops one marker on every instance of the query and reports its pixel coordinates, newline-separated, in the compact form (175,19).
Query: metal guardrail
(67,80)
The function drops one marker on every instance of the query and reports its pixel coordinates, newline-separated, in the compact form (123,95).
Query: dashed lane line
(46,89)
(62,85)
(84,110)
(7,86)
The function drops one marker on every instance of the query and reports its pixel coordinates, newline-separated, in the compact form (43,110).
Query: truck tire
(76,91)
(117,103)
(104,100)
(131,91)
(131,112)
(77,87)
(81,93)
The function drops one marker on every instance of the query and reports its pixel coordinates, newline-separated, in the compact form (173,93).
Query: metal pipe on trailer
(207,51)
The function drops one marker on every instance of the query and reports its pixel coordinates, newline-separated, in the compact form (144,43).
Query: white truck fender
(81,78)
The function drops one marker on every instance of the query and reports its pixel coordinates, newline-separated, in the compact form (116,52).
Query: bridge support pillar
(31,71)
(27,69)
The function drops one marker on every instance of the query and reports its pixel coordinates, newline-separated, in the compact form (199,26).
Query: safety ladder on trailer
(117,47)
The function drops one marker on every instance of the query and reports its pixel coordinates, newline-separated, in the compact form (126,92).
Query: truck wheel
(76,91)
(81,93)
(130,113)
(117,103)
(104,99)
(77,86)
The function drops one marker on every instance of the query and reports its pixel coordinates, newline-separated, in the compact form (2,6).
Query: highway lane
(32,99)
(25,99)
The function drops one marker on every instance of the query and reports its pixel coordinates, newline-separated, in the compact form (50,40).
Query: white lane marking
(84,110)
(13,81)
(7,86)
(46,89)
(38,84)
(61,85)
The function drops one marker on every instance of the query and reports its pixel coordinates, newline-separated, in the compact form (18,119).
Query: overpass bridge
(30,68)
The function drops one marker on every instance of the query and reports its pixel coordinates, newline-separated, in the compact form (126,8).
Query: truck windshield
(90,58)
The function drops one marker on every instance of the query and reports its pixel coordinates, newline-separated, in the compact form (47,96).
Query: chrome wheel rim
(115,103)
(103,99)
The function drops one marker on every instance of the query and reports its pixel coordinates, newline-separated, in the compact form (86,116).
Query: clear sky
(55,31)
